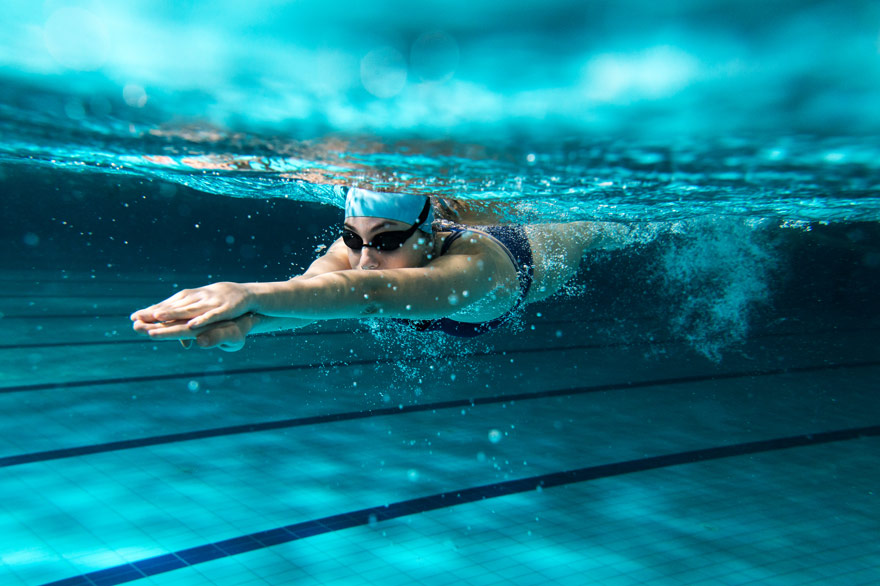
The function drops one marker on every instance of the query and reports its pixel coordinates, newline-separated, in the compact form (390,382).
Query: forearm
(264,324)
(327,296)
(351,294)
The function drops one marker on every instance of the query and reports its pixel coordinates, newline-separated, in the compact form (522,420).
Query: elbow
(384,298)
(374,298)
(377,301)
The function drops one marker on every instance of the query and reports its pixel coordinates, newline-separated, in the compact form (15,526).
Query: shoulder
(471,244)
(333,259)
(468,240)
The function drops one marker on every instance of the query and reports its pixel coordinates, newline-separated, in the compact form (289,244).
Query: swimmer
(392,261)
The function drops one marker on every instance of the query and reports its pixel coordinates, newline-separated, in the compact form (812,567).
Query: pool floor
(560,454)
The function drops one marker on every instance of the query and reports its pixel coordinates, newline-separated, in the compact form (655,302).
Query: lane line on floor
(85,314)
(292,367)
(74,452)
(288,533)
(117,296)
(286,334)
(339,363)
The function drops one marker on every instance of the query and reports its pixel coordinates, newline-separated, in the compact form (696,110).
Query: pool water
(698,406)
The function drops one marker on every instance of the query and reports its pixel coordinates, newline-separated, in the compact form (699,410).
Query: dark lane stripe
(108,280)
(289,367)
(280,334)
(116,296)
(391,411)
(297,333)
(288,533)
(179,375)
(114,342)
(84,313)
(255,370)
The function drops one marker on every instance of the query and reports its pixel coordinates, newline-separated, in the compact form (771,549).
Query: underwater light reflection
(77,39)
(656,72)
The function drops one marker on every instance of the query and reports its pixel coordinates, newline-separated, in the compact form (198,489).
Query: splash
(715,274)
(426,360)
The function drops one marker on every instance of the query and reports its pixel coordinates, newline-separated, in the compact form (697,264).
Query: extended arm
(230,334)
(446,286)
(476,281)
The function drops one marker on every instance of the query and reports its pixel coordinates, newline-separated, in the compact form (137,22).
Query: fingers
(185,307)
(167,311)
(205,305)
(142,327)
(225,335)
(153,312)
(145,327)
(165,331)
(144,315)
(197,317)
(181,313)
(210,317)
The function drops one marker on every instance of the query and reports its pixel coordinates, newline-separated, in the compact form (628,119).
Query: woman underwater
(392,261)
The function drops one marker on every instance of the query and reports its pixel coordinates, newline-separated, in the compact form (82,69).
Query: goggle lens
(386,241)
(383,241)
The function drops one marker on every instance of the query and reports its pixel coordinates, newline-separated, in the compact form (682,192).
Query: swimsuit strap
(512,240)
(515,243)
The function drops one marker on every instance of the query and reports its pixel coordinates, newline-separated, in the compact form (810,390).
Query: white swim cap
(403,207)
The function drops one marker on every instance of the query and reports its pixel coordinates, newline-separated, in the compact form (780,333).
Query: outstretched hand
(227,335)
(199,307)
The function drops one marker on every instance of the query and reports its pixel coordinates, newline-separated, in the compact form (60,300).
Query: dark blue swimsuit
(515,243)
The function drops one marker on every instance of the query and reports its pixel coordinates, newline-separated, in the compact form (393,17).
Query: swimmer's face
(413,253)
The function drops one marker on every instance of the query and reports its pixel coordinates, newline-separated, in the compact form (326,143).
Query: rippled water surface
(788,177)
(623,111)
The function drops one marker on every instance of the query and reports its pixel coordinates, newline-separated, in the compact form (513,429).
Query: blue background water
(456,67)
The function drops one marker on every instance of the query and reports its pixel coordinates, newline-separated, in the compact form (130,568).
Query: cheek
(416,253)
(398,260)
(404,258)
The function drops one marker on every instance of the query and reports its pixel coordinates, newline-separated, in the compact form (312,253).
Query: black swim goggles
(386,241)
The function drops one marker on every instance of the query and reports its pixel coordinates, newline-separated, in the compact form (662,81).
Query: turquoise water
(698,405)
(627,112)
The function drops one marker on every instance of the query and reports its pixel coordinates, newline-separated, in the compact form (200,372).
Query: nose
(369,259)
